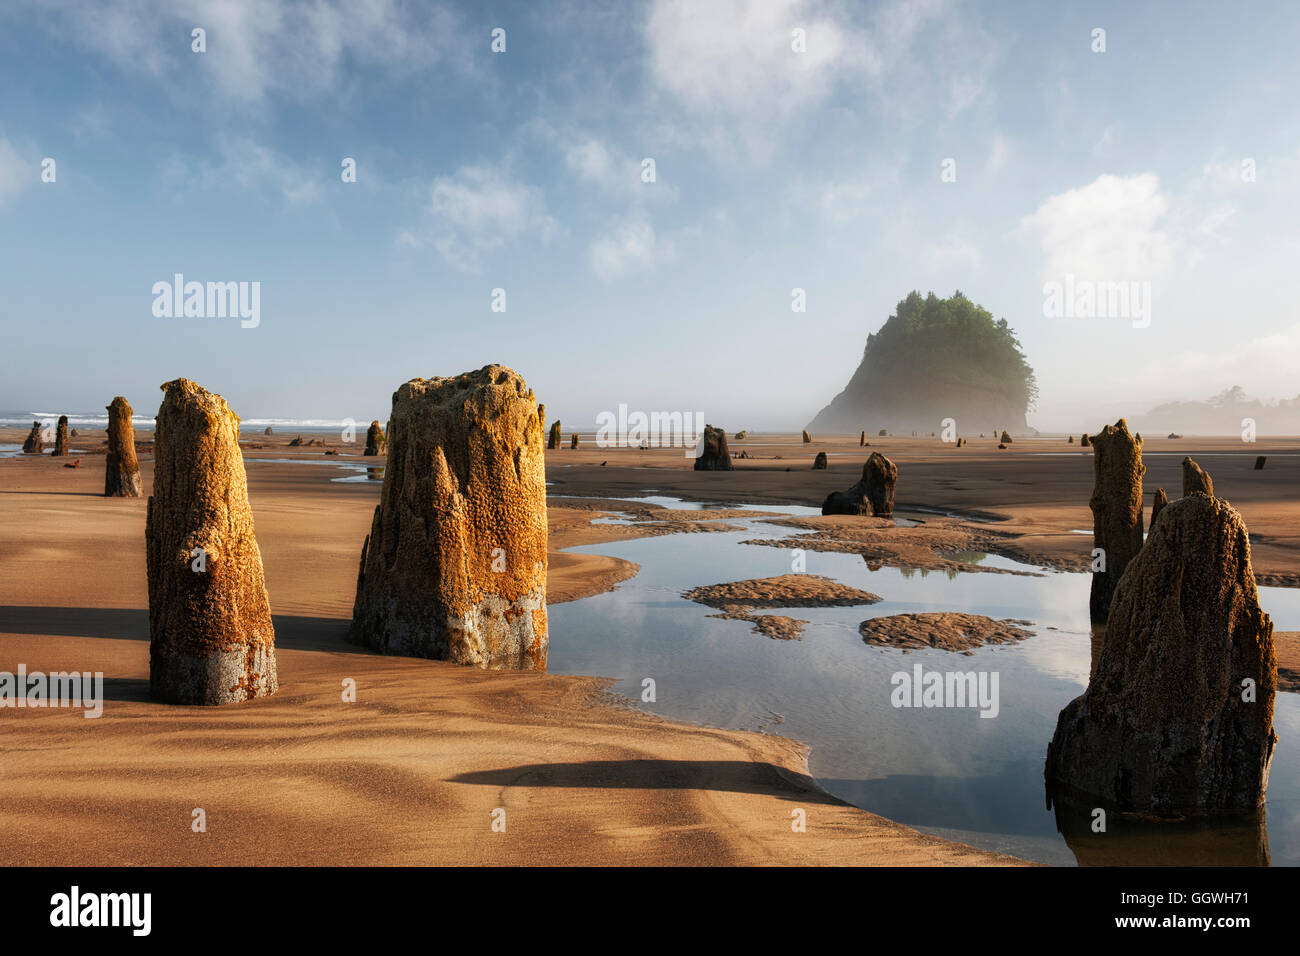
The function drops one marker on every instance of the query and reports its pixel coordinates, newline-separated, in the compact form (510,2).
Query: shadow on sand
(132,624)
(735,776)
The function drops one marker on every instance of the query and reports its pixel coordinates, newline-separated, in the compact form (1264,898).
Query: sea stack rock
(1084,442)
(1069,440)
(210,635)
(454,567)
(1006,439)
(374,439)
(862,439)
(34,444)
(1195,479)
(741,435)
(573,441)
(121,469)
(714,456)
(267,431)
(819,463)
(807,439)
(1179,713)
(554,440)
(61,438)
(1116,510)
(1158,504)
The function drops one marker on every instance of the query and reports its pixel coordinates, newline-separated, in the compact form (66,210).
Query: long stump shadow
(734,776)
(294,633)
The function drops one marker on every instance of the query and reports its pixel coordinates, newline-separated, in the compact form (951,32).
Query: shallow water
(16,451)
(945,771)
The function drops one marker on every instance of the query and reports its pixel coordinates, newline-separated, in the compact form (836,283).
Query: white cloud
(260,47)
(1000,152)
(15,172)
(952,249)
(593,160)
(250,166)
(1267,362)
(478,210)
(733,55)
(845,200)
(630,247)
(1113,228)
(731,67)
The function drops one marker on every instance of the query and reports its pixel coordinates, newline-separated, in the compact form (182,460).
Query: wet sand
(412,772)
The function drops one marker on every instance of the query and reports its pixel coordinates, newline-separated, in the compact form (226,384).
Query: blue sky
(522,170)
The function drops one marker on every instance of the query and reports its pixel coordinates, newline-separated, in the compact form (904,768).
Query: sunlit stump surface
(454,567)
(210,635)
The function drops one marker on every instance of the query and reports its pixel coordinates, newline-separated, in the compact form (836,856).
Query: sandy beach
(412,772)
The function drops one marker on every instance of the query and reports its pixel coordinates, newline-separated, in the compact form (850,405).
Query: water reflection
(946,771)
(1100,837)
(1132,840)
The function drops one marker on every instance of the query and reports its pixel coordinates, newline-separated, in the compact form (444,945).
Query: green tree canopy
(930,341)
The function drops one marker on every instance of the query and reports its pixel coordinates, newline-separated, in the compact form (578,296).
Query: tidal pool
(946,771)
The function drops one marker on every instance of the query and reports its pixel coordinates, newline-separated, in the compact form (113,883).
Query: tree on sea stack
(454,567)
(61,438)
(931,356)
(210,635)
(121,469)
(1116,505)
(1178,715)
